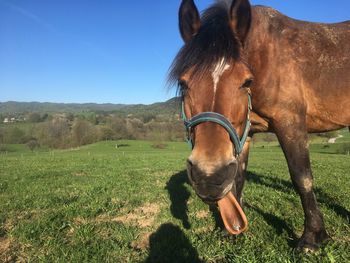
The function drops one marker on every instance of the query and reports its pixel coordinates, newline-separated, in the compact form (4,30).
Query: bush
(106,133)
(54,134)
(3,148)
(329,135)
(119,127)
(34,117)
(14,135)
(344,149)
(33,144)
(83,132)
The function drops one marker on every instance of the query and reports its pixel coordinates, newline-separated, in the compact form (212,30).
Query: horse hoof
(307,249)
(311,242)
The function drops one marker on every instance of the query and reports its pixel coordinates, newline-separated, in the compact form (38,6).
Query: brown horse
(298,74)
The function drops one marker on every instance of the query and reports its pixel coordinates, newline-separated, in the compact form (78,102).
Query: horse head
(214,83)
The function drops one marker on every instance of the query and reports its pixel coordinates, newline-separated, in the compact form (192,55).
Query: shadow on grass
(179,196)
(287,186)
(219,224)
(123,145)
(279,224)
(169,244)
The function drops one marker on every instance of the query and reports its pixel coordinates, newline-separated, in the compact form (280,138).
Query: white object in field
(237,228)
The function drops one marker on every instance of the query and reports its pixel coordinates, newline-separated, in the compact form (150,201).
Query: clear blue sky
(105,51)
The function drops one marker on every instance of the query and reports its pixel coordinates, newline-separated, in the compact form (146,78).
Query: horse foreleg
(294,142)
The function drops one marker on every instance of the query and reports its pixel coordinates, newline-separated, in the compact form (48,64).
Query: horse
(247,69)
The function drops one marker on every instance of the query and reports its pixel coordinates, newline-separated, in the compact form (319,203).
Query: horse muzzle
(214,185)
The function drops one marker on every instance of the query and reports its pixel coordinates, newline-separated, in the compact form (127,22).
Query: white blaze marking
(219,69)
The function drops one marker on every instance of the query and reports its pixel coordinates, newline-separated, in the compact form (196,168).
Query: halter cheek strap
(222,121)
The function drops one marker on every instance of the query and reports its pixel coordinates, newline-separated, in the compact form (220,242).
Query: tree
(344,149)
(119,126)
(55,133)
(2,135)
(83,132)
(255,139)
(91,117)
(45,117)
(34,117)
(332,134)
(329,135)
(33,144)
(269,137)
(106,133)
(147,117)
(134,128)
(14,135)
(70,116)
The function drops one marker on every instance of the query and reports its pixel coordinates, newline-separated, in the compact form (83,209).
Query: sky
(110,51)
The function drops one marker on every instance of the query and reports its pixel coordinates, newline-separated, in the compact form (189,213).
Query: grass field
(134,204)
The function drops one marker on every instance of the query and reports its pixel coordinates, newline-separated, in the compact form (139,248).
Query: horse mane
(214,41)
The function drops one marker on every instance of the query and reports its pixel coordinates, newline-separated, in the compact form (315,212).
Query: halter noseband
(222,121)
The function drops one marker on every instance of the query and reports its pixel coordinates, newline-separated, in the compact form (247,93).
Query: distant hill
(23,107)
(11,107)
(169,107)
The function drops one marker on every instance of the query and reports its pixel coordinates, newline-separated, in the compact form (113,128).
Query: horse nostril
(193,172)
(189,163)
(233,163)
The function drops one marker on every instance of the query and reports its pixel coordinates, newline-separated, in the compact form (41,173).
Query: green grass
(346,136)
(133,204)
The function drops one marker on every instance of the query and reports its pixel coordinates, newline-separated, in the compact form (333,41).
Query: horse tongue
(232,214)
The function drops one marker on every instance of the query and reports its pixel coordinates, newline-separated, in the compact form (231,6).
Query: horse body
(301,84)
(308,64)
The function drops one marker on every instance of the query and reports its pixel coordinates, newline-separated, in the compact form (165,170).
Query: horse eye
(183,86)
(247,83)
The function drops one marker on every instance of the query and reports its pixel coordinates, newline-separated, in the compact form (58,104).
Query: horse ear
(241,16)
(189,20)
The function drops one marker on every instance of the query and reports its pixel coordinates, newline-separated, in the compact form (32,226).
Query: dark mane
(214,41)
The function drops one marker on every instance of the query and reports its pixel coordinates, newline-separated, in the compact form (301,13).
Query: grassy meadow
(133,203)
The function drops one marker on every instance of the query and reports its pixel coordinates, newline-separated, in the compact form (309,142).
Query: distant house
(10,120)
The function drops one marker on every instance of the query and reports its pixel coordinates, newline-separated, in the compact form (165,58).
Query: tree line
(61,131)
(69,130)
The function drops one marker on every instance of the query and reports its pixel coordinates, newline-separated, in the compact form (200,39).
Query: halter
(222,121)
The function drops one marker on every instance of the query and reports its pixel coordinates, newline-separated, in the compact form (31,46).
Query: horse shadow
(169,244)
(287,187)
(277,223)
(179,194)
(177,188)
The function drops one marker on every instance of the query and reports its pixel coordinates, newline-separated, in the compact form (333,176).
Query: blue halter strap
(222,121)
